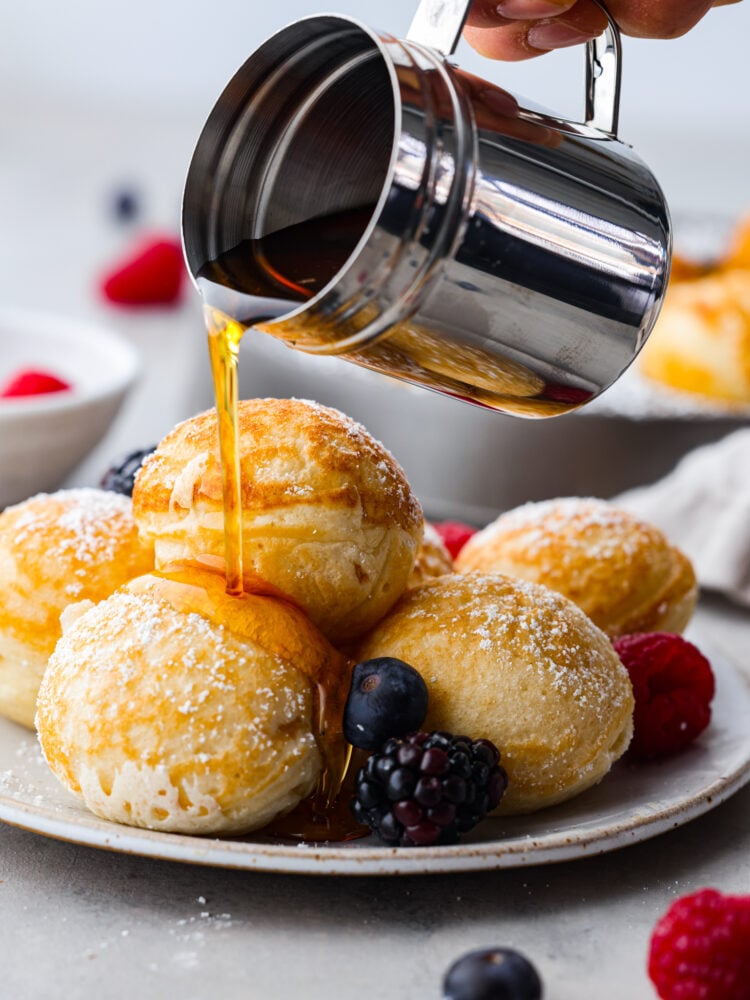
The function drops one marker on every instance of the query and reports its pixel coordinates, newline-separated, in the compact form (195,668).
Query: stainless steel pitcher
(505,256)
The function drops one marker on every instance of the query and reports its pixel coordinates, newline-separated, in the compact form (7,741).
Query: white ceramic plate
(633,803)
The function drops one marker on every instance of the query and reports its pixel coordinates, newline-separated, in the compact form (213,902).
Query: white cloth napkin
(703,506)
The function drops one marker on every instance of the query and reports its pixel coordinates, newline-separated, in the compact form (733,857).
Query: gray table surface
(80,923)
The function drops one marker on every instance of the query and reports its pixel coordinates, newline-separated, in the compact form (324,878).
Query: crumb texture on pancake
(620,570)
(521,665)
(57,549)
(328,515)
(167,720)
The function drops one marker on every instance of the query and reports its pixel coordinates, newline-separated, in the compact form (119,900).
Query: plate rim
(372,859)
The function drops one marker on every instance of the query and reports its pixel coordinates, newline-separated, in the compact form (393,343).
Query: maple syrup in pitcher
(257,280)
(260,280)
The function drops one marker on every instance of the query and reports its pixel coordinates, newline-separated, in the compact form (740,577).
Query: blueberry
(492,974)
(388,698)
(126,204)
(120,478)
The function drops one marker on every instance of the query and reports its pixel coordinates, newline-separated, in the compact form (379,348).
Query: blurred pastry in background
(738,251)
(701,341)
(620,570)
(57,549)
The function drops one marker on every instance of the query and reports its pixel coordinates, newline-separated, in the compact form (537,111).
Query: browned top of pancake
(292,452)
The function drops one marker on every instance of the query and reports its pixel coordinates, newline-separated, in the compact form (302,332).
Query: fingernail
(555,35)
(531,9)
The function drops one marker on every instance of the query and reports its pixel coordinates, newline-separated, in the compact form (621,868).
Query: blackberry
(428,788)
(120,478)
(492,974)
(387,698)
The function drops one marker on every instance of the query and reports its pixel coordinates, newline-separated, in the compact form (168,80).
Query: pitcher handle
(438,25)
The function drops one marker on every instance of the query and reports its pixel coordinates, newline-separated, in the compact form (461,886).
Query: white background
(684,105)
(95,94)
(176,55)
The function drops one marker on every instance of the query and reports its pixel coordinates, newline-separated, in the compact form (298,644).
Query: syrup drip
(257,280)
(224,336)
(198,587)
(320,818)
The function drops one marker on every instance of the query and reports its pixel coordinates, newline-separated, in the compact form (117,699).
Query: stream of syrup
(224,336)
(255,281)
(260,279)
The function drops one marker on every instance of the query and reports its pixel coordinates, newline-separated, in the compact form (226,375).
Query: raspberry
(428,788)
(152,275)
(700,949)
(32,382)
(673,685)
(454,535)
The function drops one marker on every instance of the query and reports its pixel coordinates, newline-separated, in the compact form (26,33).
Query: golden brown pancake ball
(56,549)
(620,570)
(327,514)
(175,707)
(522,666)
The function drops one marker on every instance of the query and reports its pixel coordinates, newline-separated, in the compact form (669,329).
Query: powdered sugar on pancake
(90,523)
(164,719)
(540,523)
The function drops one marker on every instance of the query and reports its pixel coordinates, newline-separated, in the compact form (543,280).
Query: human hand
(521,29)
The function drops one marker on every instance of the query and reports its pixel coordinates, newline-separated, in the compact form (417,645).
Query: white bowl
(44,437)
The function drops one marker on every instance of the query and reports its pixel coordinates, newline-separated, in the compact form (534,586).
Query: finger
(525,39)
(668,19)
(515,41)
(507,43)
(483,14)
(491,13)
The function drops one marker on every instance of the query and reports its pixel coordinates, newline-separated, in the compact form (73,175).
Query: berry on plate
(428,788)
(32,382)
(152,274)
(454,534)
(120,477)
(492,974)
(673,685)
(700,949)
(387,698)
